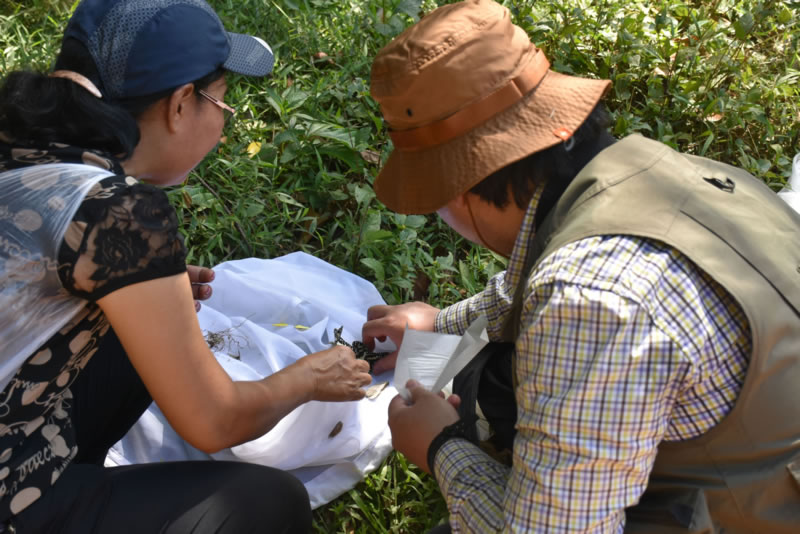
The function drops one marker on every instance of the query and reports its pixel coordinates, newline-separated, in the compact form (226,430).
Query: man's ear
(179,104)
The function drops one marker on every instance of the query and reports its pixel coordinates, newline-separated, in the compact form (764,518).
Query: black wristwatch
(459,429)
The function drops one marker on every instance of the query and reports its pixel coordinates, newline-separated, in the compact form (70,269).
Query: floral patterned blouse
(124,232)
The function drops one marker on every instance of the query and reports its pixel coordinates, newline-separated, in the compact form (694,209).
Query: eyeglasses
(226,109)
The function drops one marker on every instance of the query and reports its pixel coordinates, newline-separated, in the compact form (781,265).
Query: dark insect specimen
(360,348)
(336,429)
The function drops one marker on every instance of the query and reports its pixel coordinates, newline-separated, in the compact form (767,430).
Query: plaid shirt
(624,343)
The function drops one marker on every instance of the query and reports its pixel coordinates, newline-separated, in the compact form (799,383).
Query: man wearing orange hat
(652,299)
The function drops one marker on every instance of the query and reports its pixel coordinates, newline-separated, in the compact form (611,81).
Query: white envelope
(434,359)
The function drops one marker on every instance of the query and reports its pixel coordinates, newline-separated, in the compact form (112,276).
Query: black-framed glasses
(226,109)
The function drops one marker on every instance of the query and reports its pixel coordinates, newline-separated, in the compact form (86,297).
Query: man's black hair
(556,166)
(37,110)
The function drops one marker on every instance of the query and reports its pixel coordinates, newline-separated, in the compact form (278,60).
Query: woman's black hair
(556,166)
(37,110)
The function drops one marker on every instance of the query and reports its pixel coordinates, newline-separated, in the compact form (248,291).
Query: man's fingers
(376,312)
(397,404)
(386,363)
(380,329)
(416,390)
(355,395)
(376,328)
(454,400)
(363,366)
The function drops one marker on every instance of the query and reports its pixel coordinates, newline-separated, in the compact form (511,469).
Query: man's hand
(390,321)
(415,424)
(200,277)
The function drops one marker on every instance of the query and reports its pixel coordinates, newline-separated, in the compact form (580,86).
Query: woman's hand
(337,375)
(391,321)
(200,277)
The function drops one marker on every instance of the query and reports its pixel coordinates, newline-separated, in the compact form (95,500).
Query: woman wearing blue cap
(96,311)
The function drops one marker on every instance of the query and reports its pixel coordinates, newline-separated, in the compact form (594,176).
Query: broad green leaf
(286,199)
(416,221)
(410,8)
(407,235)
(404,283)
(346,155)
(373,221)
(253,209)
(289,152)
(743,26)
(446,262)
(330,131)
(371,236)
(363,194)
(376,266)
(295,97)
(284,136)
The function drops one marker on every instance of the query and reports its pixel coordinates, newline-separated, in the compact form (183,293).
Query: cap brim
(422,181)
(249,55)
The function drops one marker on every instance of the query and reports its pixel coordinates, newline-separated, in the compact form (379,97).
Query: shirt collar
(527,229)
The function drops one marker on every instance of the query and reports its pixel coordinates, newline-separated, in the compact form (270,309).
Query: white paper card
(433,359)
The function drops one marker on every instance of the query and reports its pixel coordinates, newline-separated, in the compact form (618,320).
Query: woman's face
(177,135)
(203,133)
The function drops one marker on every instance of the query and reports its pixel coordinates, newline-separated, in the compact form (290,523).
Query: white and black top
(123,232)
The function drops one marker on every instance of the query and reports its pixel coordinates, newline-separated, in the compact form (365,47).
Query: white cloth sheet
(252,301)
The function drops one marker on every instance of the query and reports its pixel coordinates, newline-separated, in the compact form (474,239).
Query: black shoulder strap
(486,382)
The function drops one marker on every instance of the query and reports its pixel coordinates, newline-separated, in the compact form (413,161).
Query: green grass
(716,78)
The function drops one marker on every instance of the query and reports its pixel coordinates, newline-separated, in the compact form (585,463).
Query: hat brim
(249,55)
(422,181)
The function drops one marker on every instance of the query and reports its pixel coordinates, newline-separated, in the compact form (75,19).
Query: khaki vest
(743,475)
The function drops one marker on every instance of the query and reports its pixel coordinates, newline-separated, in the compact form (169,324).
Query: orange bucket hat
(466,93)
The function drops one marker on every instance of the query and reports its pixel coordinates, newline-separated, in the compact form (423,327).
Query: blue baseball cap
(142,47)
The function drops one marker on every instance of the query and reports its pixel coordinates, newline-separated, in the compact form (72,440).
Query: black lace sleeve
(124,232)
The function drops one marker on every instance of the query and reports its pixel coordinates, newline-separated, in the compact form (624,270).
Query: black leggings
(168,497)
